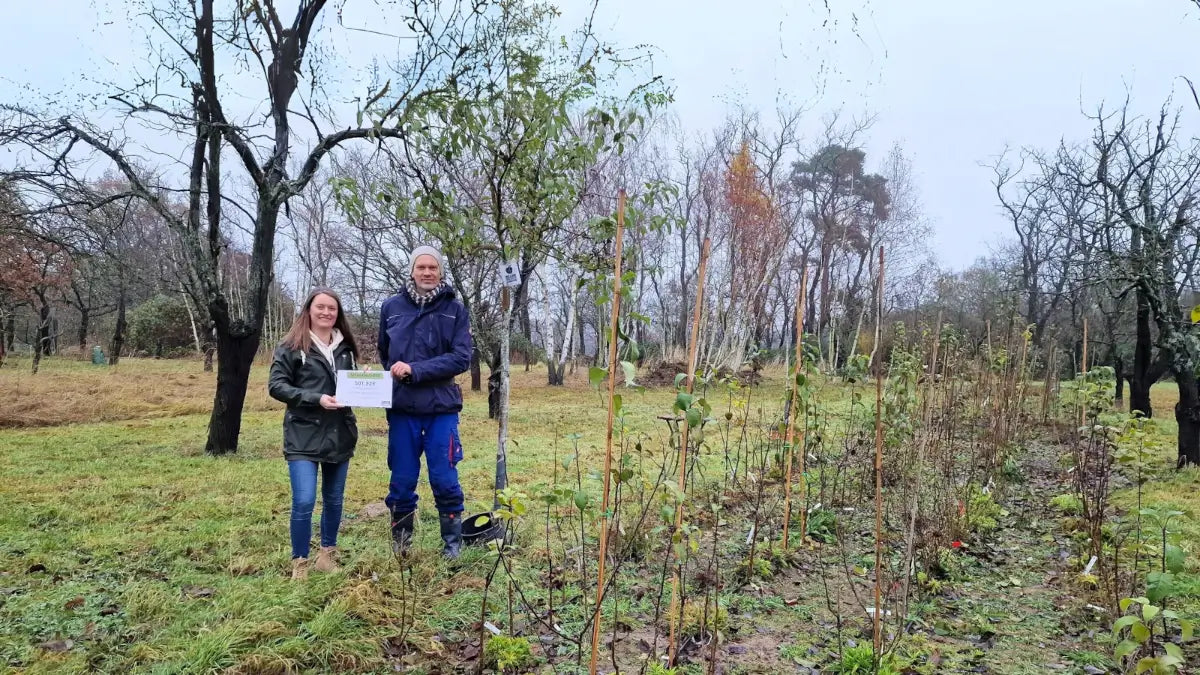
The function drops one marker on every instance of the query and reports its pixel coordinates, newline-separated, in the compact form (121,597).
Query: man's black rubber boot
(451,534)
(402,530)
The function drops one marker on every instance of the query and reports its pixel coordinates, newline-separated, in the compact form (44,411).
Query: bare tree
(1146,181)
(196,45)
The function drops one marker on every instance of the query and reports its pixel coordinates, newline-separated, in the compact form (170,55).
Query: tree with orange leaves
(756,242)
(33,271)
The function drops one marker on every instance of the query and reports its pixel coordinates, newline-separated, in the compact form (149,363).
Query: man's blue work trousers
(436,437)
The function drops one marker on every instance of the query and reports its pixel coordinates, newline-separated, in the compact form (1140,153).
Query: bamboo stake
(878,613)
(693,343)
(608,442)
(787,483)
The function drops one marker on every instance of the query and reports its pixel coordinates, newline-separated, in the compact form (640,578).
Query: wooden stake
(1020,383)
(1083,370)
(693,343)
(878,613)
(1085,346)
(987,371)
(791,425)
(608,442)
(1046,381)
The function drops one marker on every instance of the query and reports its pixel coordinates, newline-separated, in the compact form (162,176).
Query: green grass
(118,534)
(182,560)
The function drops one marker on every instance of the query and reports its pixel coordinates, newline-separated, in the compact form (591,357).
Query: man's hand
(401,370)
(330,403)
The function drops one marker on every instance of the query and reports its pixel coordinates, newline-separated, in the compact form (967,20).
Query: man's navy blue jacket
(436,341)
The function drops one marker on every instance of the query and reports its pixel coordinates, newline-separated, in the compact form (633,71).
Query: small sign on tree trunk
(510,274)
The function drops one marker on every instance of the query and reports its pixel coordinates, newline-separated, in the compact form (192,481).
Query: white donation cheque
(364,388)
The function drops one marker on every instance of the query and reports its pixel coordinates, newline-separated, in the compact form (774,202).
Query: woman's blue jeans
(304,498)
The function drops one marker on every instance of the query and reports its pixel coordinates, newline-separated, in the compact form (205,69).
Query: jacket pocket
(301,433)
(455,451)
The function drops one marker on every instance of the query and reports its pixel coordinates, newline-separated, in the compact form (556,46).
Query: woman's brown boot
(326,559)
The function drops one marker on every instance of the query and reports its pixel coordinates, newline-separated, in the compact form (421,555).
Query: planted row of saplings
(938,468)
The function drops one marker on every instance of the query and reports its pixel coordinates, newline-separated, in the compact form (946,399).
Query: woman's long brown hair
(299,338)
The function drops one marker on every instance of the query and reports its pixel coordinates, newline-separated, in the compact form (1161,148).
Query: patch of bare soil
(662,374)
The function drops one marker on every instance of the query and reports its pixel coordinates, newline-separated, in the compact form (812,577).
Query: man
(425,341)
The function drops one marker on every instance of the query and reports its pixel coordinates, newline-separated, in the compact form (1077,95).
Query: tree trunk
(476,371)
(235,354)
(580,346)
(1139,396)
(238,339)
(118,341)
(43,334)
(824,334)
(10,334)
(85,316)
(494,394)
(555,373)
(501,481)
(191,319)
(1187,415)
(1139,384)
(556,366)
(684,313)
(521,302)
(42,342)
(1119,368)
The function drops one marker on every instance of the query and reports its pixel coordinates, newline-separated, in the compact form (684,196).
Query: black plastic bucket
(481,528)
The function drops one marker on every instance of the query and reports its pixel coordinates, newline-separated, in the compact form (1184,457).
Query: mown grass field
(123,548)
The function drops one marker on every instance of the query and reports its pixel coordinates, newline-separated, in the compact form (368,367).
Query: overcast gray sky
(954,81)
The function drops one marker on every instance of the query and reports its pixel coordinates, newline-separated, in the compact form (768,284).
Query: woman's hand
(330,403)
(401,370)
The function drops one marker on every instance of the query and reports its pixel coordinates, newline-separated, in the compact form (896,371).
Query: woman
(319,434)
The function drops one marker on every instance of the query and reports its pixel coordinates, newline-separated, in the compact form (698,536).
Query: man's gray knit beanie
(426,250)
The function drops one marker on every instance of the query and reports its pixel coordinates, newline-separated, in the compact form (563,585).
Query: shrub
(1068,504)
(860,660)
(982,510)
(161,327)
(822,526)
(507,654)
(695,621)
